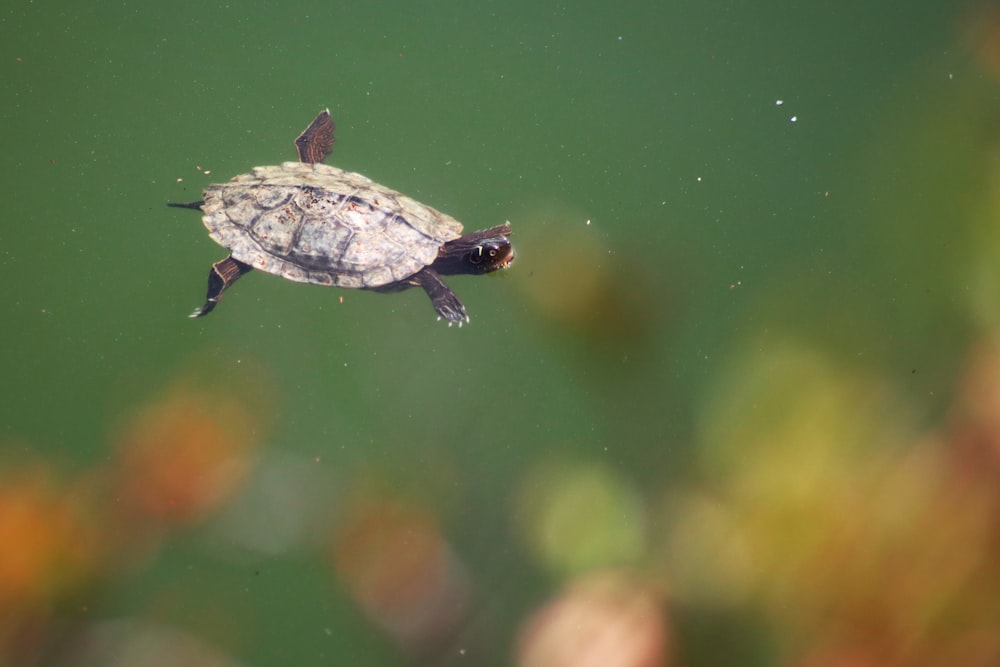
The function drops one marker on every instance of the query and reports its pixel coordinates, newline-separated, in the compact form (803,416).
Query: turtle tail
(194,206)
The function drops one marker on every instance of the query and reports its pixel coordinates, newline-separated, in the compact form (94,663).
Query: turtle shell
(313,223)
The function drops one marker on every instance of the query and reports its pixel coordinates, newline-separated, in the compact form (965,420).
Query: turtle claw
(205,309)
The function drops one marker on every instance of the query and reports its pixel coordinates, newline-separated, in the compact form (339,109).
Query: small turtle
(312,223)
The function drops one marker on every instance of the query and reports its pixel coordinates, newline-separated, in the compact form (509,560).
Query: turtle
(312,223)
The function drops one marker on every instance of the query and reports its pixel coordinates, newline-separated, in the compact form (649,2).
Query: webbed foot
(447,304)
(223,274)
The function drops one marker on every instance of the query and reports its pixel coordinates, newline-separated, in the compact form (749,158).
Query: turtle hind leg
(223,274)
(445,301)
(316,141)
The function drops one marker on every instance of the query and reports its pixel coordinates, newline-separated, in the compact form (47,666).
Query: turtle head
(478,252)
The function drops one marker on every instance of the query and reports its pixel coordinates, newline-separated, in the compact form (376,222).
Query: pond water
(734,402)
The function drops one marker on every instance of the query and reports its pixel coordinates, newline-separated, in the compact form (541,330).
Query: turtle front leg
(223,274)
(445,301)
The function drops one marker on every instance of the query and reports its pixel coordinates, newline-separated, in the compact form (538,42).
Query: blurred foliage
(177,461)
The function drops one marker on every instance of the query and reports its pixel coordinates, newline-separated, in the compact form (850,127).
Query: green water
(698,191)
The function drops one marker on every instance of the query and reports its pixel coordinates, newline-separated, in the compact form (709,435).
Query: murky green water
(757,266)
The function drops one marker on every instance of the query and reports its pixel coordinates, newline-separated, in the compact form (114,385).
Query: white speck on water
(793,118)
(778,103)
